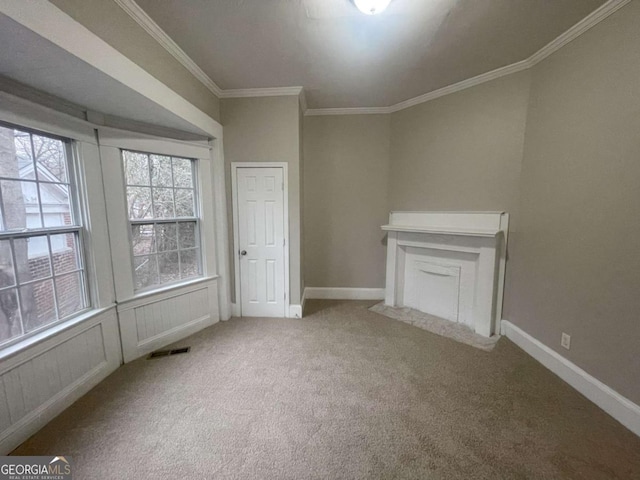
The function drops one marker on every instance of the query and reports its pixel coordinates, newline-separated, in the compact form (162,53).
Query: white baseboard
(619,407)
(296,311)
(344,293)
(303,300)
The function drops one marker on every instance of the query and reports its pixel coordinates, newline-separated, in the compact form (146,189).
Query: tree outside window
(162,208)
(42,278)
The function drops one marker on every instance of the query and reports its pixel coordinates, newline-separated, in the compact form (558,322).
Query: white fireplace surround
(448,264)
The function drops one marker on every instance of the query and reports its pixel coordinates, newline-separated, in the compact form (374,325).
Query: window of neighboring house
(163,215)
(42,274)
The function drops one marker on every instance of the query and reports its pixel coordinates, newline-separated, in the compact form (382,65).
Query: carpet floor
(344,393)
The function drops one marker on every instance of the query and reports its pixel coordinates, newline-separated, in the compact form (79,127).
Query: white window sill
(14,349)
(31,341)
(163,291)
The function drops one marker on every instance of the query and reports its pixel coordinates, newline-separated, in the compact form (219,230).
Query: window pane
(146,271)
(50,159)
(9,315)
(38,304)
(36,195)
(182,173)
(7,277)
(21,206)
(166,237)
(161,171)
(169,267)
(55,204)
(69,294)
(15,148)
(35,250)
(171,195)
(184,203)
(187,234)
(189,263)
(136,168)
(65,252)
(139,202)
(163,203)
(143,239)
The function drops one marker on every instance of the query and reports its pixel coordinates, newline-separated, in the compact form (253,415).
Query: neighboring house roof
(50,193)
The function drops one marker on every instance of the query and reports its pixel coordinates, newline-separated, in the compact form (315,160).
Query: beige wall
(301,180)
(459,152)
(266,129)
(575,262)
(462,151)
(345,184)
(112,24)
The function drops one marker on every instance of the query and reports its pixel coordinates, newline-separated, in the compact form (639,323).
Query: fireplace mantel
(441,231)
(449,264)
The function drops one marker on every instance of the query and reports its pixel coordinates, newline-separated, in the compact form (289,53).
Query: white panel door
(260,194)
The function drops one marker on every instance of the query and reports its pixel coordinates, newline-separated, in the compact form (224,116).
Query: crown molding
(574,32)
(146,22)
(441,92)
(261,92)
(315,112)
(578,29)
(303,101)
(463,85)
(152,28)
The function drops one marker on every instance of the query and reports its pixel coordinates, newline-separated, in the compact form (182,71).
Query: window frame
(77,228)
(195,219)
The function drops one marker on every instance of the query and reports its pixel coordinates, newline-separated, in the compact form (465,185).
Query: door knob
(243,252)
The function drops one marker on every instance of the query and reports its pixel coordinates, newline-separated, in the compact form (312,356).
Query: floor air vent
(166,353)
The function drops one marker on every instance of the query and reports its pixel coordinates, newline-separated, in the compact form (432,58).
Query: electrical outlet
(565,341)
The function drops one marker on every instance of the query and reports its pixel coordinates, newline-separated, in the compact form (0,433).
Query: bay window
(42,273)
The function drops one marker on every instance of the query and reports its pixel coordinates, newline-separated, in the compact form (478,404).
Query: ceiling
(29,59)
(343,58)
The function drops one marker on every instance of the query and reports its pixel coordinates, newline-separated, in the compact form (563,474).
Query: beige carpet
(342,394)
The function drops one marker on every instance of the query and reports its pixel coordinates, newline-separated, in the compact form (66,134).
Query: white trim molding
(578,29)
(463,85)
(619,407)
(302,98)
(262,92)
(297,311)
(339,293)
(314,112)
(152,28)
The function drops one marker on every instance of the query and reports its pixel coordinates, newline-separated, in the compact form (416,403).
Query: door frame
(236,233)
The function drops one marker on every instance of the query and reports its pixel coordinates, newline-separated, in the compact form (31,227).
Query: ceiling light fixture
(372,7)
